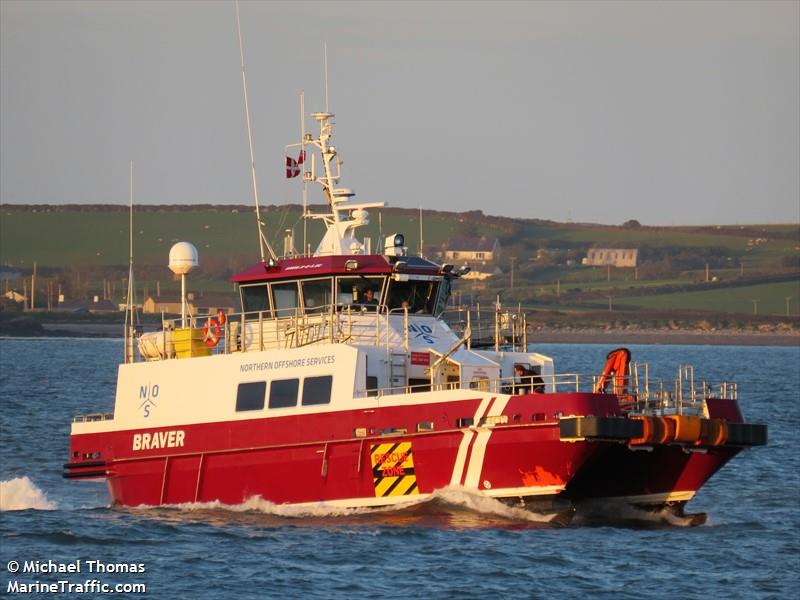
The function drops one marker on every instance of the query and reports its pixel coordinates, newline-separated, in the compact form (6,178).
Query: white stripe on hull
(479,447)
(463,447)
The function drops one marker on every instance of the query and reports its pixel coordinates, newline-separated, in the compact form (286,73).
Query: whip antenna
(130,302)
(262,240)
(326,76)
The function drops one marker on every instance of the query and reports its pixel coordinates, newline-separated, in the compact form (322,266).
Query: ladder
(398,370)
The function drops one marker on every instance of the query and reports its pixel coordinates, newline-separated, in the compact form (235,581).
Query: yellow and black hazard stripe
(393,469)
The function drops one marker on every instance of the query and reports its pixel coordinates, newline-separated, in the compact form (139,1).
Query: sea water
(455,545)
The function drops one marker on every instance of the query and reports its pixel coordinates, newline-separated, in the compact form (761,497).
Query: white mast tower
(344,216)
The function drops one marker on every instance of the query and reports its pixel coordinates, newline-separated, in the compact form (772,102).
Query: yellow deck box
(188,342)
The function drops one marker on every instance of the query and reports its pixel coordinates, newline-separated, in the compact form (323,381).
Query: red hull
(317,458)
(654,474)
(664,473)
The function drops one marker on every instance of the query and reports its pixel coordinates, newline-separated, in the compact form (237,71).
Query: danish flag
(293,166)
(292,170)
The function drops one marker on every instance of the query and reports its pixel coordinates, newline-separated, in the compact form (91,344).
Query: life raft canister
(211,333)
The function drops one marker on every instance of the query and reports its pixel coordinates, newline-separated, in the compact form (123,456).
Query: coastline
(732,337)
(544,335)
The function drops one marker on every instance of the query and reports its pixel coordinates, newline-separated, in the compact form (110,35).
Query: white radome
(183,258)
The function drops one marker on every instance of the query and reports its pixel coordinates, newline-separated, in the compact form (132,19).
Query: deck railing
(654,397)
(261,330)
(490,327)
(93,417)
(642,395)
(371,325)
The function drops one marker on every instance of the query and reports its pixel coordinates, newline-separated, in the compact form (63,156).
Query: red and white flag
(292,169)
(293,166)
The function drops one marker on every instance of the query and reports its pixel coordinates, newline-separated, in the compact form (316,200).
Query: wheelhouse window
(283,393)
(286,298)
(357,290)
(445,289)
(254,298)
(420,296)
(317,390)
(316,294)
(250,396)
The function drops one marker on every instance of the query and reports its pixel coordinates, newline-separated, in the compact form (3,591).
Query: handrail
(493,327)
(263,330)
(369,324)
(654,398)
(93,417)
(660,400)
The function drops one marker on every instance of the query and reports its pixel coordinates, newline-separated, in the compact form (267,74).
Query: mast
(343,217)
(305,182)
(262,240)
(130,301)
(421,253)
(325,46)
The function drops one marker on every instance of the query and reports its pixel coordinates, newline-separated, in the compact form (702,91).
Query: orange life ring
(211,333)
(221,317)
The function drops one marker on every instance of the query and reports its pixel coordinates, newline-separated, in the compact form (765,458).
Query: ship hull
(516,456)
(665,475)
(653,476)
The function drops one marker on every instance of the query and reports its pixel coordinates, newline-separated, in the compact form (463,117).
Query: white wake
(21,493)
(451,499)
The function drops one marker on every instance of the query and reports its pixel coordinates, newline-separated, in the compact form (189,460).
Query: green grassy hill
(85,247)
(763,299)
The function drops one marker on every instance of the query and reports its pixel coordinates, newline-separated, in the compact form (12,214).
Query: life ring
(211,333)
(221,317)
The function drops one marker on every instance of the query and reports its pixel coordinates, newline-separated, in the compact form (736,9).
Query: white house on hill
(480,249)
(615,257)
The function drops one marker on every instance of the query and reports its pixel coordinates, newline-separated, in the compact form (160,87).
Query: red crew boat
(341,383)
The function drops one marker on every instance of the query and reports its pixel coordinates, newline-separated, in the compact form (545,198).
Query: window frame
(251,383)
(430,300)
(317,377)
(275,308)
(331,291)
(296,393)
(269,309)
(367,279)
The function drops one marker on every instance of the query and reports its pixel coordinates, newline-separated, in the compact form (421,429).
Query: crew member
(528,381)
(369,296)
(368,299)
(522,381)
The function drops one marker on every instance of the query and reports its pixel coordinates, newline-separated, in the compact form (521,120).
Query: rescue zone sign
(393,469)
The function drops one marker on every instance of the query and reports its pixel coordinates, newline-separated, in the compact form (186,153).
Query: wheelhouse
(372,283)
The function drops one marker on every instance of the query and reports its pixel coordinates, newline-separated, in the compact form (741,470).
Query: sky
(671,113)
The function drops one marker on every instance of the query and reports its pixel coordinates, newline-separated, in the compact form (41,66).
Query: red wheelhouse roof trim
(319,266)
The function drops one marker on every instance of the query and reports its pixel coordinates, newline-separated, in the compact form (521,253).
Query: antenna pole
(262,241)
(326,77)
(130,217)
(420,233)
(130,299)
(305,183)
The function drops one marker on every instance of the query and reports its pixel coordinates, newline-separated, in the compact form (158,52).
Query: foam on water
(21,493)
(444,500)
